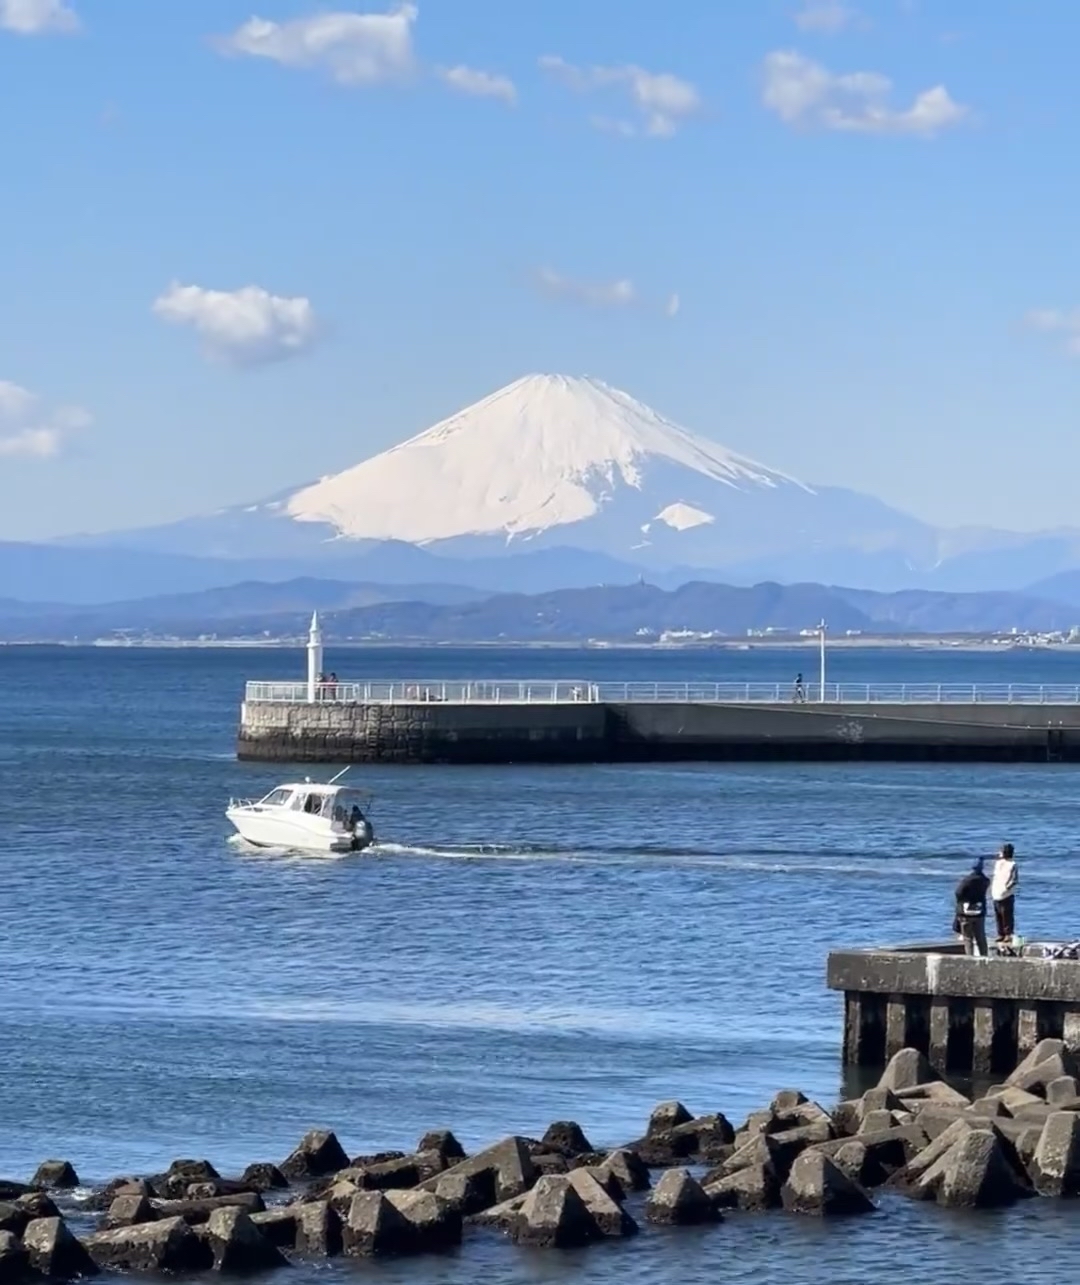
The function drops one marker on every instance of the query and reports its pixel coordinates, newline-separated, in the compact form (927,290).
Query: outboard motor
(363,836)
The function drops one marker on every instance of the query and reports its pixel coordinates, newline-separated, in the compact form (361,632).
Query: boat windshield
(277,798)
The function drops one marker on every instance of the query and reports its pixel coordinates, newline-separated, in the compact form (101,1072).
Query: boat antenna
(339,775)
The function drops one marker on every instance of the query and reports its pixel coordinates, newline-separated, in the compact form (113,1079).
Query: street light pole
(821,633)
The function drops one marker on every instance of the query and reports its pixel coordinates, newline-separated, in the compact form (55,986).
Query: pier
(533,721)
(969,1016)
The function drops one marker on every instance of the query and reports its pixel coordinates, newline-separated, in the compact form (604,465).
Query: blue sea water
(523,945)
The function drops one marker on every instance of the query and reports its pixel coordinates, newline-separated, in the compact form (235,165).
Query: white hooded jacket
(1005,879)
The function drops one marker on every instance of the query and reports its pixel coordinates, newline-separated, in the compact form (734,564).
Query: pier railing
(566,691)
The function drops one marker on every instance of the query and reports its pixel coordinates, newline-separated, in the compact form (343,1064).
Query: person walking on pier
(1003,892)
(970,919)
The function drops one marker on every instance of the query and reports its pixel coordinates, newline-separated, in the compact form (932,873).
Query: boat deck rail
(531,691)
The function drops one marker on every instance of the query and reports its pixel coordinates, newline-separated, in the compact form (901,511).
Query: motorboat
(306,816)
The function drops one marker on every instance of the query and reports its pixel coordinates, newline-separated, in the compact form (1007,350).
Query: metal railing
(566,691)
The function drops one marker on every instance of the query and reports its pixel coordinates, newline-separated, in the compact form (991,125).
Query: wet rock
(666,1116)
(263,1177)
(629,1168)
(1055,1167)
(606,1210)
(54,1251)
(444,1142)
(1042,1052)
(679,1200)
(319,1153)
(974,1172)
(754,1188)
(169,1245)
(553,1216)
(36,1204)
(818,1186)
(129,1211)
(856,1161)
(14,1260)
(433,1224)
(510,1164)
(906,1070)
(12,1218)
(200,1211)
(56,1175)
(237,1245)
(567,1138)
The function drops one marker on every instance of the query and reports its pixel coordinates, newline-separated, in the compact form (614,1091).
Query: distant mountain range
(552,482)
(459,614)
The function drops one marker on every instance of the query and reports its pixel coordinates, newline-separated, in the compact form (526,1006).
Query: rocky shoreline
(913,1133)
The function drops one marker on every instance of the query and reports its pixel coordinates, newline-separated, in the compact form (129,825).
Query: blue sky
(874,280)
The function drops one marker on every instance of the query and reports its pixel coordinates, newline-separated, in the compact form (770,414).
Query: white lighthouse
(314,659)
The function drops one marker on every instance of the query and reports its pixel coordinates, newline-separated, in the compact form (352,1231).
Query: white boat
(306,816)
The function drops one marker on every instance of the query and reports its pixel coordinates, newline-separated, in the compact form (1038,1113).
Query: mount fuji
(560,467)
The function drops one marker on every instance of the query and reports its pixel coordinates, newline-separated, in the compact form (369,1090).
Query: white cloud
(597,294)
(38,17)
(29,426)
(247,327)
(353,48)
(805,94)
(479,84)
(674,303)
(828,16)
(1058,321)
(663,101)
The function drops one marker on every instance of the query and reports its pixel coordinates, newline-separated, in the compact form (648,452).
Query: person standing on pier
(1003,892)
(971,910)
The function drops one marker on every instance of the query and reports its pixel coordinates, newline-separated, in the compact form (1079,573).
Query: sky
(247,243)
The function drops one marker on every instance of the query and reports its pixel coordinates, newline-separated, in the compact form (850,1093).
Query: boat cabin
(341,806)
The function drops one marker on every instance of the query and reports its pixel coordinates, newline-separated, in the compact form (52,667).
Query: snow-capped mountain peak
(544,452)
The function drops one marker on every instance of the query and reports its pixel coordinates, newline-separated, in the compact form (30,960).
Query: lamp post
(821,635)
(314,659)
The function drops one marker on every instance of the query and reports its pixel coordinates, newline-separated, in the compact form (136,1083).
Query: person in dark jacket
(970,919)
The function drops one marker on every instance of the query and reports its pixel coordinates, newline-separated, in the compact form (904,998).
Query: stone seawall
(436,732)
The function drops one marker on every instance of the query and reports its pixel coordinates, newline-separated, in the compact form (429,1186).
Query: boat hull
(266,830)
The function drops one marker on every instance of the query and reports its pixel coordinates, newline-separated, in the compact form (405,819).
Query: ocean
(523,944)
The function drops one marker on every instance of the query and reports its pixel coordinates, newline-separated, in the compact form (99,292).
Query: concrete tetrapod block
(36,1204)
(278,1225)
(1038,1077)
(859,1165)
(375,1227)
(444,1142)
(12,1218)
(754,1189)
(14,1260)
(237,1245)
(974,1173)
(553,1216)
(907,1177)
(1063,1089)
(629,1168)
(907,1069)
(666,1116)
(199,1211)
(319,1153)
(54,1251)
(129,1211)
(817,1186)
(889,1149)
(567,1138)
(263,1177)
(606,1209)
(787,1100)
(166,1245)
(466,1192)
(1055,1167)
(434,1225)
(318,1229)
(510,1164)
(57,1175)
(679,1200)
(1043,1051)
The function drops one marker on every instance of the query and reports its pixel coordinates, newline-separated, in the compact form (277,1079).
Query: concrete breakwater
(603,731)
(912,1135)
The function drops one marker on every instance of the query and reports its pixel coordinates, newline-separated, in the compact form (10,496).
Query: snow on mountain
(546,451)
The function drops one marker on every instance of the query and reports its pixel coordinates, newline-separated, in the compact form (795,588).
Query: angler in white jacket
(1003,892)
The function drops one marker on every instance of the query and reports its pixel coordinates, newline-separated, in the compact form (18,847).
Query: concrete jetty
(533,721)
(968,1016)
